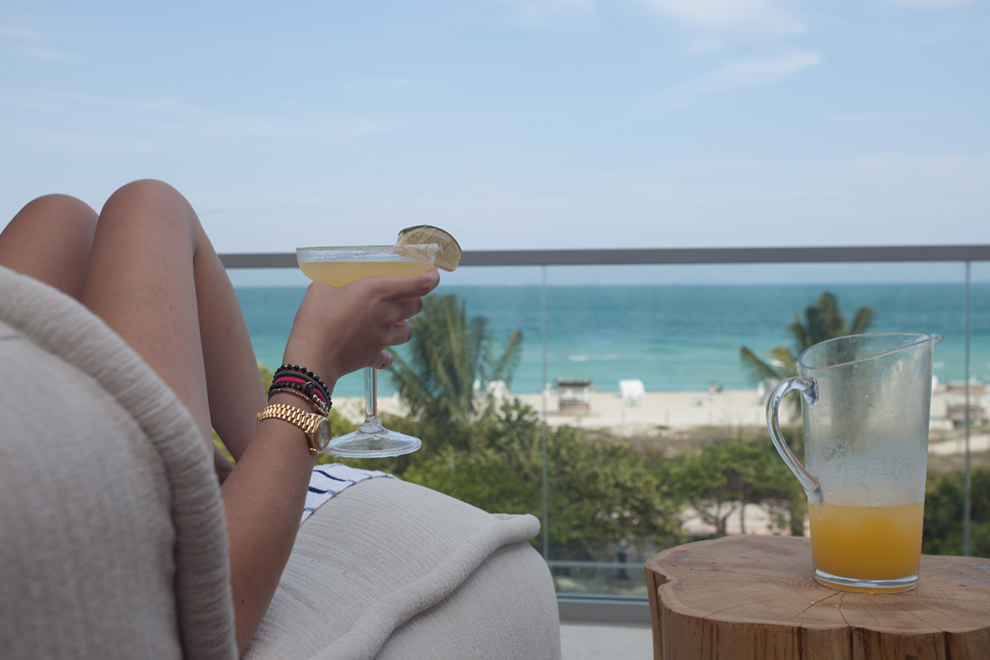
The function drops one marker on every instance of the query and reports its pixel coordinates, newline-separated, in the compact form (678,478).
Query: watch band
(307,421)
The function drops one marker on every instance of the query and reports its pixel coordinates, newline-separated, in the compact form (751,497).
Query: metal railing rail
(904,253)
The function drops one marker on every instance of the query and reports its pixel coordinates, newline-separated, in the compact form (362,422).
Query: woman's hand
(340,330)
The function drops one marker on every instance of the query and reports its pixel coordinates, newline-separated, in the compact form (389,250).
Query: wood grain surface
(754,598)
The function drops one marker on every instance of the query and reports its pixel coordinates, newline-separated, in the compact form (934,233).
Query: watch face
(323,434)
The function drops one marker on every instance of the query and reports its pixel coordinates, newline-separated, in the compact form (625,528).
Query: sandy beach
(729,408)
(677,410)
(654,409)
(607,409)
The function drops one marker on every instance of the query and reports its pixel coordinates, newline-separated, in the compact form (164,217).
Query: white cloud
(718,13)
(43,53)
(555,7)
(863,117)
(733,75)
(18,33)
(22,35)
(546,14)
(930,4)
(712,22)
(709,23)
(75,142)
(952,171)
(173,116)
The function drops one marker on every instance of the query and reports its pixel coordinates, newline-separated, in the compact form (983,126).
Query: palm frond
(787,361)
(864,320)
(504,366)
(756,369)
(833,321)
(799,332)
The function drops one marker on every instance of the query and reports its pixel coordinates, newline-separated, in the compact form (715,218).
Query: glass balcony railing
(641,378)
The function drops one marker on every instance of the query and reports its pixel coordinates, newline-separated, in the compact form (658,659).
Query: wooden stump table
(753,598)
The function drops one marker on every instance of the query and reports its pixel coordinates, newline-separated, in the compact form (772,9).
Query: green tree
(944,513)
(725,476)
(598,493)
(447,354)
(822,321)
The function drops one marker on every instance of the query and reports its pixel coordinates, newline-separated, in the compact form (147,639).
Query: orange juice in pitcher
(866,542)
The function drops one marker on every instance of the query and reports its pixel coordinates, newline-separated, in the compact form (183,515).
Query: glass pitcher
(866,408)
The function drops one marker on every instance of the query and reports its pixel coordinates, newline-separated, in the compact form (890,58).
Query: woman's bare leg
(155,279)
(50,240)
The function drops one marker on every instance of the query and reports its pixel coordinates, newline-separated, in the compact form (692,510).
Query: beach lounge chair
(112,541)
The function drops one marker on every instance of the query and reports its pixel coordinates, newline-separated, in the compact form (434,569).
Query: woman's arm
(335,332)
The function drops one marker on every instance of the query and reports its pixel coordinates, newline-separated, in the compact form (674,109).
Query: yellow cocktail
(339,273)
(874,543)
(339,267)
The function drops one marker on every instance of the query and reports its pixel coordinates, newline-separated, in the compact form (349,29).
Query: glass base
(380,443)
(867,586)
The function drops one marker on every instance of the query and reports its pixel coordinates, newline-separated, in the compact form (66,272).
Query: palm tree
(822,321)
(447,354)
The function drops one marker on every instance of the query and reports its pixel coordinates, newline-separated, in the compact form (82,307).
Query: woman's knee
(61,212)
(150,207)
(50,239)
(149,193)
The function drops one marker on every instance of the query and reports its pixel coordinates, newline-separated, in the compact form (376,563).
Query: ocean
(673,338)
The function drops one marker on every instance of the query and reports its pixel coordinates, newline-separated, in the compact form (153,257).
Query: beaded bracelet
(317,404)
(294,370)
(308,386)
(296,379)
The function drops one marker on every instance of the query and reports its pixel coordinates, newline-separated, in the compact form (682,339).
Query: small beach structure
(955,403)
(573,396)
(632,392)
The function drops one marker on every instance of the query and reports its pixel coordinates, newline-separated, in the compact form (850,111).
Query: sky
(513,124)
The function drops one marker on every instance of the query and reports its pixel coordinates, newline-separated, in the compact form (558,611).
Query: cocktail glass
(338,266)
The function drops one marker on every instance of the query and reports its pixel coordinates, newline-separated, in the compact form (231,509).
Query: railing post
(966,479)
(543,427)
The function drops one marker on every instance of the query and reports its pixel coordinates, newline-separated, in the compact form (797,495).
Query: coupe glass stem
(371,423)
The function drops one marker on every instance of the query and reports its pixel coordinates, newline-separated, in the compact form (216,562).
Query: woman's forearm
(263,500)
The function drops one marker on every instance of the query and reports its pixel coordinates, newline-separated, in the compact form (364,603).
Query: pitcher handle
(808,387)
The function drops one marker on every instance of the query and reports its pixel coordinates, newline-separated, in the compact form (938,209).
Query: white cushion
(388,569)
(113,538)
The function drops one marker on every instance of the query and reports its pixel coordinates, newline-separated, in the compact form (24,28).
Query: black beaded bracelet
(311,384)
(295,369)
(297,390)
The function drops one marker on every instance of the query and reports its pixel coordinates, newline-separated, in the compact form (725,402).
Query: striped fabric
(330,480)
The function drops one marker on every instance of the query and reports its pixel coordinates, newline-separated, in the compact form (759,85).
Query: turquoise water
(670,337)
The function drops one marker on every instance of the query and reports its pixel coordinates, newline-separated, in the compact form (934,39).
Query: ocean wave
(607,357)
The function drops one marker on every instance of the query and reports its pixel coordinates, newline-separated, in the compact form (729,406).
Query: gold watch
(315,426)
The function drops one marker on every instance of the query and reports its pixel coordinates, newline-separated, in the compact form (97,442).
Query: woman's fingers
(403,287)
(399,333)
(384,360)
(406,309)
